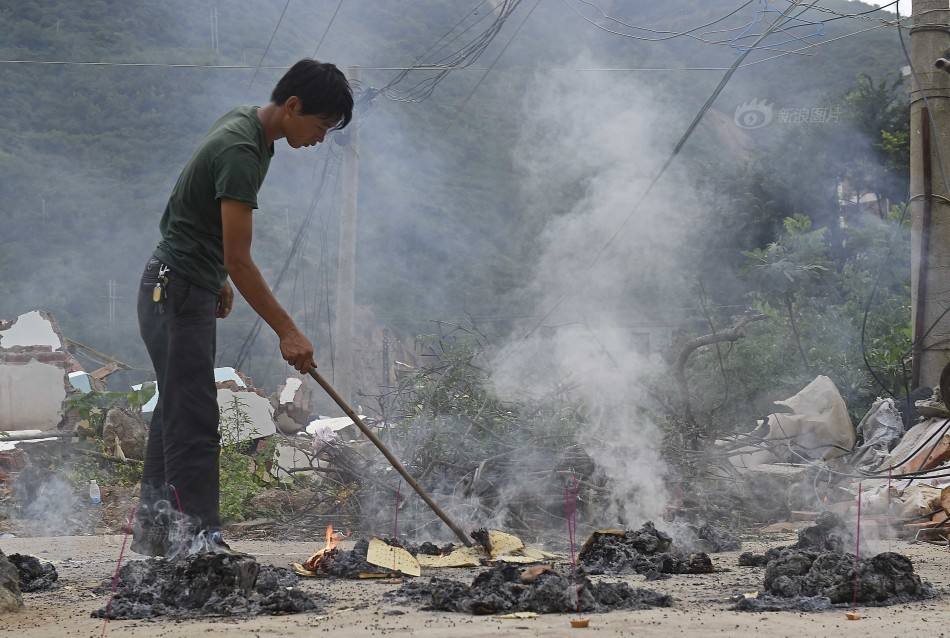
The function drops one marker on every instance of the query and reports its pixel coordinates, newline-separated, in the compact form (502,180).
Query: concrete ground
(357,608)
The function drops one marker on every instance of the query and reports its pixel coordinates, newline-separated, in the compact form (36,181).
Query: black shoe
(149,540)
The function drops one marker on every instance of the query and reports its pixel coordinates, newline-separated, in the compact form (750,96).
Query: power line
(495,61)
(327,30)
(673,34)
(267,48)
(676,150)
(438,67)
(668,35)
(245,348)
(462,57)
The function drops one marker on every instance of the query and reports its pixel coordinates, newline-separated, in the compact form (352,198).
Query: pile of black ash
(828,534)
(646,551)
(749,559)
(816,573)
(713,539)
(509,588)
(204,584)
(768,602)
(35,575)
(884,579)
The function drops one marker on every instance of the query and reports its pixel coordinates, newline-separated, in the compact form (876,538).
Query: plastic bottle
(95,496)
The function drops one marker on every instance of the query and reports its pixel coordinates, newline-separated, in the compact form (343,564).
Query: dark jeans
(183,440)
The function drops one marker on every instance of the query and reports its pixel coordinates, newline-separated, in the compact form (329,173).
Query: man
(206,236)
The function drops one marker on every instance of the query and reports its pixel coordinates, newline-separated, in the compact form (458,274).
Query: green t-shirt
(230,163)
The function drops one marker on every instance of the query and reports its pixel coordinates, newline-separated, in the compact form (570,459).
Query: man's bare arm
(237,222)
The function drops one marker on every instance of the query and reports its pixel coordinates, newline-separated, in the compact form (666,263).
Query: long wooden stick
(389,456)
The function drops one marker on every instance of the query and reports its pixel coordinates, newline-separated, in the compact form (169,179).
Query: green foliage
(92,407)
(83,469)
(830,298)
(243,472)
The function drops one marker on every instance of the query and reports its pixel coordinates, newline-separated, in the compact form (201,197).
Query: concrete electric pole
(930,208)
(343,374)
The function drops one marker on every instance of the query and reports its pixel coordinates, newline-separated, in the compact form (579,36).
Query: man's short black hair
(321,87)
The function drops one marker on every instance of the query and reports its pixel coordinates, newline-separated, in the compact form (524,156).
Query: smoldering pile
(816,573)
(646,551)
(35,575)
(208,584)
(540,589)
(828,534)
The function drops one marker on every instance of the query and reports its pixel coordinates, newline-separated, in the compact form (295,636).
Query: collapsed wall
(34,367)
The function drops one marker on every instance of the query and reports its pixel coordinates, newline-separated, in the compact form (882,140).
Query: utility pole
(214,29)
(930,212)
(343,374)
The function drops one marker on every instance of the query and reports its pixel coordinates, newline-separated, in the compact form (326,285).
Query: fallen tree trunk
(679,367)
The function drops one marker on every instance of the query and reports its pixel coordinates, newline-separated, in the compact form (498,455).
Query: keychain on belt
(160,291)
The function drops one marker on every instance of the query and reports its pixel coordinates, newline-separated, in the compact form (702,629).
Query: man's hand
(225,301)
(297,350)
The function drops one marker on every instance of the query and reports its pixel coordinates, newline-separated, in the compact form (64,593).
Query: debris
(922,448)
(344,563)
(258,421)
(933,406)
(296,402)
(10,598)
(828,534)
(852,615)
(646,551)
(884,579)
(35,575)
(388,556)
(709,538)
(768,602)
(518,615)
(124,432)
(880,429)
(460,557)
(748,559)
(501,590)
(333,429)
(818,425)
(204,585)
(33,373)
(580,623)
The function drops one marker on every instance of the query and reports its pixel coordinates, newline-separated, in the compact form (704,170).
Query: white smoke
(590,145)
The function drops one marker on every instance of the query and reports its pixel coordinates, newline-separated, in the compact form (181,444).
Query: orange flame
(332,540)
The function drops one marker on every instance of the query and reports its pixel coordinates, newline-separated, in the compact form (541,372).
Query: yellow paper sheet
(502,543)
(395,559)
(461,557)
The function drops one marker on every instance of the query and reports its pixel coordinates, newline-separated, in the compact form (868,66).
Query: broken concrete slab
(258,421)
(296,403)
(233,386)
(334,429)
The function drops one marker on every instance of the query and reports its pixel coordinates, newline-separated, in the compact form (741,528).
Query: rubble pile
(816,573)
(646,551)
(10,598)
(35,575)
(508,588)
(204,585)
